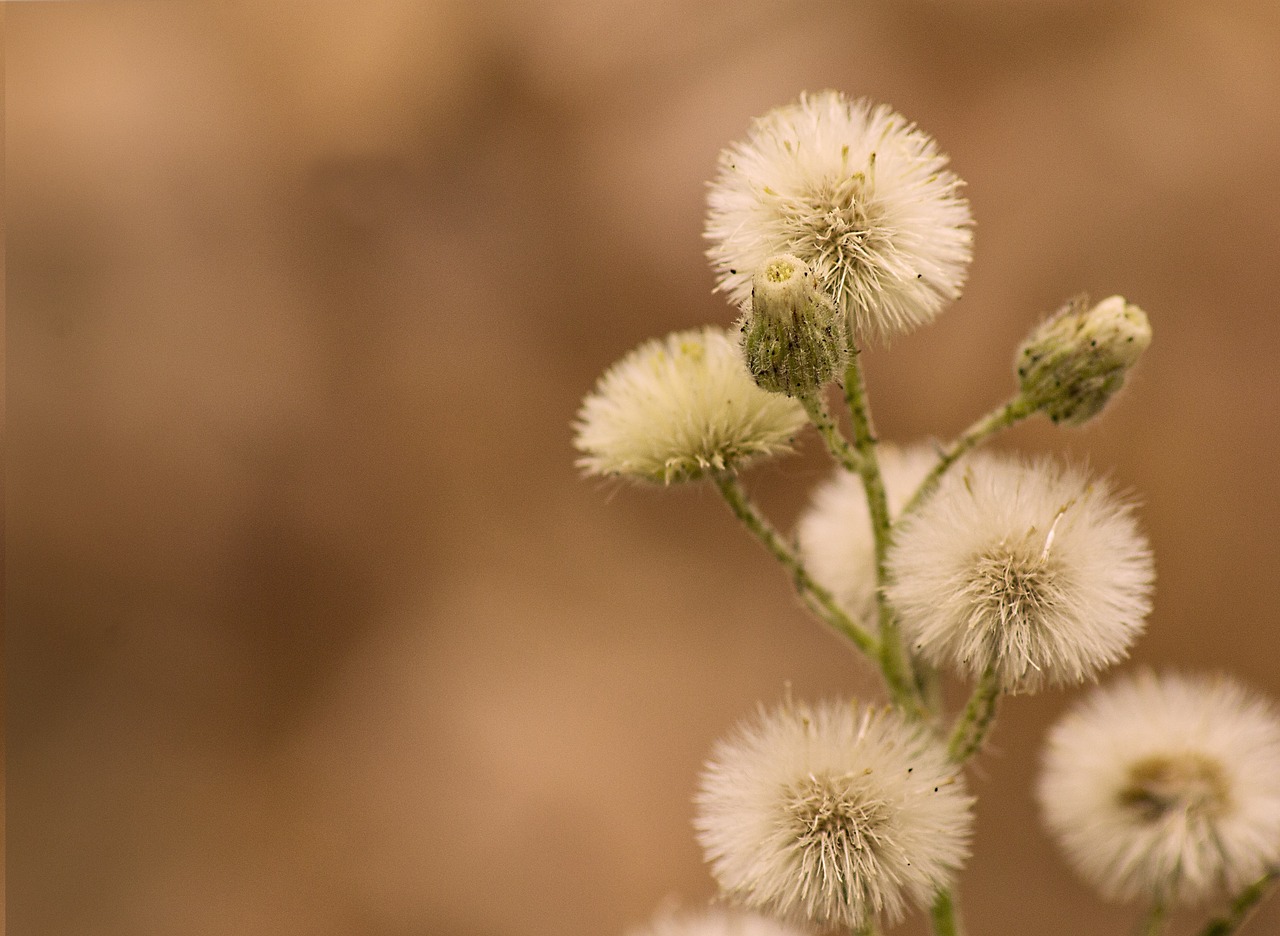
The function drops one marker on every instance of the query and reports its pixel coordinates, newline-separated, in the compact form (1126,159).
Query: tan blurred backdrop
(313,628)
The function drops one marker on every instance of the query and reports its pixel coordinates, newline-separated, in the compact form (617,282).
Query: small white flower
(1031,569)
(676,408)
(860,194)
(715,923)
(834,532)
(832,815)
(1166,786)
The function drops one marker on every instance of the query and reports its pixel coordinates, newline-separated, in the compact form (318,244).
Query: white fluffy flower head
(1032,569)
(857,192)
(834,532)
(1166,786)
(676,408)
(832,815)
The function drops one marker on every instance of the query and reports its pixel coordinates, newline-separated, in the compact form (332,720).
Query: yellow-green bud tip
(792,338)
(1075,360)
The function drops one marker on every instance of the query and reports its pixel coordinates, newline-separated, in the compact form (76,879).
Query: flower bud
(791,333)
(1078,357)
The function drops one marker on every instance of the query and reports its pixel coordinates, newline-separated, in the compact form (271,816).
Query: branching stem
(975,721)
(1005,416)
(945,915)
(1243,905)
(818,599)
(836,443)
(893,660)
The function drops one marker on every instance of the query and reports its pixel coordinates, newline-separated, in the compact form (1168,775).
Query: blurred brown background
(313,628)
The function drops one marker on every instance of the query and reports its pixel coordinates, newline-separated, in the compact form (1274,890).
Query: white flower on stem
(857,192)
(1030,569)
(715,922)
(676,408)
(832,815)
(834,532)
(1166,787)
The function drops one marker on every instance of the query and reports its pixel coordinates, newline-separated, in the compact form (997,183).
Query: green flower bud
(1078,357)
(791,334)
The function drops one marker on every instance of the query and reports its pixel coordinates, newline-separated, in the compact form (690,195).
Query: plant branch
(974,723)
(1243,905)
(837,445)
(1005,416)
(944,915)
(816,598)
(893,660)
(1157,918)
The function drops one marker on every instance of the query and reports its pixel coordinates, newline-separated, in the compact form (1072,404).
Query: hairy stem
(1157,918)
(974,723)
(893,659)
(1243,905)
(1005,416)
(837,445)
(945,915)
(816,598)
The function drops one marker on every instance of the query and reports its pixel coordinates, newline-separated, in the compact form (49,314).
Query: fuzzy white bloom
(834,532)
(832,815)
(1166,785)
(676,408)
(857,192)
(715,923)
(1032,569)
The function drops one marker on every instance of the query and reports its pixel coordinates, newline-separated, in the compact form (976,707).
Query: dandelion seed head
(856,191)
(1165,786)
(1032,569)
(677,408)
(832,815)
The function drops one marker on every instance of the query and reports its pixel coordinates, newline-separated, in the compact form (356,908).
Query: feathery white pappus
(834,531)
(1165,785)
(857,192)
(715,922)
(677,407)
(832,815)
(1028,568)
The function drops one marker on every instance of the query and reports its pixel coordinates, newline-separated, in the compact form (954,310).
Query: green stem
(1243,905)
(837,445)
(974,724)
(945,915)
(893,660)
(1157,918)
(1007,415)
(817,598)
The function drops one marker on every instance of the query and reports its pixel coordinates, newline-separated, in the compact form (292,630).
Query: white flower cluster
(833,223)
(832,814)
(1032,570)
(675,409)
(857,192)
(1166,786)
